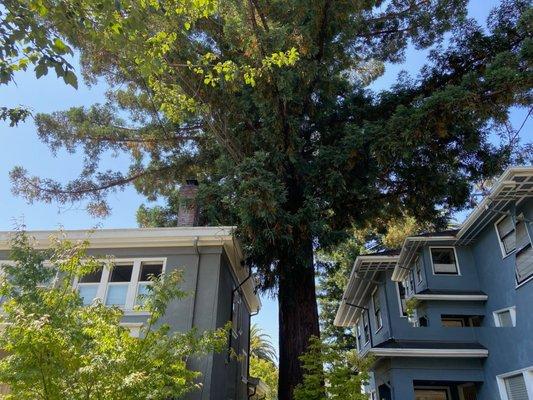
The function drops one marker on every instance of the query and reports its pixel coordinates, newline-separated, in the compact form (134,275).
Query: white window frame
(418,268)
(512,311)
(358,335)
(380,325)
(502,248)
(133,285)
(244,366)
(365,317)
(517,250)
(399,299)
(456,260)
(528,378)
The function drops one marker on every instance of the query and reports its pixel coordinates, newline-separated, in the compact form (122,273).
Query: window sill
(130,313)
(519,285)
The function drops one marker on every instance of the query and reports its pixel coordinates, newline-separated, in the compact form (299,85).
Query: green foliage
(26,39)
(267,371)
(58,349)
(411,305)
(332,373)
(268,104)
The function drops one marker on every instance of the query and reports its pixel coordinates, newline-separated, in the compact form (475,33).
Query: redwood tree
(267,103)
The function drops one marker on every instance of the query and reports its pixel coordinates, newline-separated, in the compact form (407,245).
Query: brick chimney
(188,209)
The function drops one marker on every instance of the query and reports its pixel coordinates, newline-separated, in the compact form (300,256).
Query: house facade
(219,285)
(449,316)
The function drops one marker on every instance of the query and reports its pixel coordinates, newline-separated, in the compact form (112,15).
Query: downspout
(193,310)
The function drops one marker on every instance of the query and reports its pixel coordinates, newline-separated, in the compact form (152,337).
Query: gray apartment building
(220,285)
(449,316)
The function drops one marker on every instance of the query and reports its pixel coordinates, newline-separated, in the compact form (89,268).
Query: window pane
(516,387)
(452,323)
(509,243)
(121,273)
(444,261)
(150,271)
(142,292)
(116,295)
(522,237)
(93,277)
(87,293)
(505,319)
(375,299)
(505,226)
(524,263)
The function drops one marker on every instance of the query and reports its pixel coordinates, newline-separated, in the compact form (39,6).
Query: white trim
(134,327)
(528,378)
(456,260)
(444,353)
(502,181)
(451,297)
(419,263)
(374,309)
(522,283)
(512,312)
(133,284)
(502,248)
(399,299)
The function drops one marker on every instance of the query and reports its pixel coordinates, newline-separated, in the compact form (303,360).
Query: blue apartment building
(449,316)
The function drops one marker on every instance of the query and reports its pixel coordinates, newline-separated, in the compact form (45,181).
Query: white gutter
(451,297)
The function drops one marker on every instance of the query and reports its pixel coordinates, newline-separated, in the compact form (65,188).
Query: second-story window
(402,298)
(524,252)
(505,318)
(418,269)
(122,285)
(366,328)
(377,310)
(506,234)
(358,334)
(119,282)
(444,261)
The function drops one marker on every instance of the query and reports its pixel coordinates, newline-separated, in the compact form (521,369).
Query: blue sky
(21,146)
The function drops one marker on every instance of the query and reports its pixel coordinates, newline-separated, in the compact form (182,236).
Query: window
(401,298)
(244,366)
(418,270)
(366,328)
(444,260)
(524,252)
(122,285)
(358,334)
(377,309)
(117,288)
(432,394)
(235,313)
(148,272)
(505,318)
(88,286)
(517,385)
(505,229)
(461,321)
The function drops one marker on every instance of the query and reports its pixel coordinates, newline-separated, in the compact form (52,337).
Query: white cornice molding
(451,297)
(441,353)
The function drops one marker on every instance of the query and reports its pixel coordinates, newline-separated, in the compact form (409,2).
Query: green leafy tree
(267,371)
(332,373)
(267,104)
(27,40)
(59,349)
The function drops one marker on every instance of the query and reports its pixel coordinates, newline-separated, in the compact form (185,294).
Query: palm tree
(261,345)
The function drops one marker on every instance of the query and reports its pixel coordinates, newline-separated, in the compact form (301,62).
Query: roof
(201,236)
(362,279)
(432,349)
(515,184)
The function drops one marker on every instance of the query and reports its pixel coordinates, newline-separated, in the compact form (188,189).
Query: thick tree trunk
(298,316)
